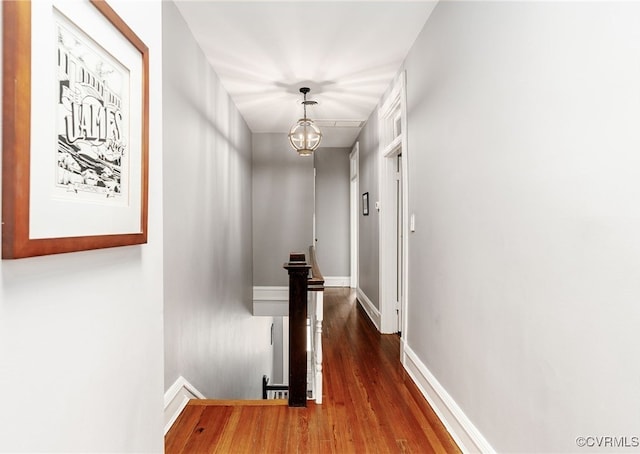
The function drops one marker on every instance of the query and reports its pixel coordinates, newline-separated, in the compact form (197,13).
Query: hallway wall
(282,207)
(81,333)
(211,336)
(523,176)
(369,263)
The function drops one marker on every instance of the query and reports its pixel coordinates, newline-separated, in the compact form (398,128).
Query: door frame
(354,185)
(392,123)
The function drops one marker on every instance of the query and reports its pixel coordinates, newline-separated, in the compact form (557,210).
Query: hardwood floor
(370,403)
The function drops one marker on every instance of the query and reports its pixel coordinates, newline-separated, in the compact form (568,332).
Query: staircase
(306,285)
(371,404)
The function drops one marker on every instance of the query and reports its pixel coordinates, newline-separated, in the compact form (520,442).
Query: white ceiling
(346,52)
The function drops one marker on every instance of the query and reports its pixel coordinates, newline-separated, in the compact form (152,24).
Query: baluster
(317,354)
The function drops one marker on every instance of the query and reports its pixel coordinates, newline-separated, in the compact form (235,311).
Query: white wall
(332,210)
(81,333)
(282,207)
(211,337)
(525,264)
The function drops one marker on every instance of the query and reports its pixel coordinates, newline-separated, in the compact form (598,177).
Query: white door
(399,233)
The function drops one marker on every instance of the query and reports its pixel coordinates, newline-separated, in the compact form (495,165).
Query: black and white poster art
(76,129)
(92,120)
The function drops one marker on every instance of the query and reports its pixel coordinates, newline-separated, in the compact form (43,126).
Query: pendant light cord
(304,105)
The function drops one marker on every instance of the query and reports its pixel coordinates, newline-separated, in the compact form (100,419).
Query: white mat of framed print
(75,159)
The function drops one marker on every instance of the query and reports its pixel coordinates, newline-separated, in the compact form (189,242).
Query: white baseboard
(337,281)
(271,301)
(462,430)
(369,308)
(176,398)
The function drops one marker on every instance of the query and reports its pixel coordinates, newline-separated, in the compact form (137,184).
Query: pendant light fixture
(305,136)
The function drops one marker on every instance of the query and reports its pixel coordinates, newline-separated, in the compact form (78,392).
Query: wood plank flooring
(370,404)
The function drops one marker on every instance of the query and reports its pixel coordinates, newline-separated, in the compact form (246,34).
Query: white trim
(369,308)
(389,147)
(314,237)
(285,350)
(354,208)
(271,293)
(462,430)
(270,301)
(389,151)
(176,398)
(316,316)
(404,304)
(337,281)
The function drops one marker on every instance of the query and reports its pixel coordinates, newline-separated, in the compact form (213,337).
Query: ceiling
(346,52)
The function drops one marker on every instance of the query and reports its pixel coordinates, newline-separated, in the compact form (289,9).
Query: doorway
(398,236)
(393,211)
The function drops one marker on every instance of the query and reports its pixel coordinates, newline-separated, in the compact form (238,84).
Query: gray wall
(278,357)
(282,207)
(523,175)
(211,338)
(368,265)
(81,333)
(332,210)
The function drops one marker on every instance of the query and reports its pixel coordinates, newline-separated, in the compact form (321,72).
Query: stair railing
(315,312)
(306,302)
(298,275)
(274,391)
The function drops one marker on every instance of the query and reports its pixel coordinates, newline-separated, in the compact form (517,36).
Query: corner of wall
(176,398)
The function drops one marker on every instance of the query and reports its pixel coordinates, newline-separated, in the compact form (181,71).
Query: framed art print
(76,127)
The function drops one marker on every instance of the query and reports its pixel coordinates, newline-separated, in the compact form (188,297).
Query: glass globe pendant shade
(305,137)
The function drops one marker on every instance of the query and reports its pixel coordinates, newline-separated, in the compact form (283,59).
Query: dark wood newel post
(298,275)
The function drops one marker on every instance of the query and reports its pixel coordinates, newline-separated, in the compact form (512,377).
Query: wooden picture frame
(75,129)
(365,204)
